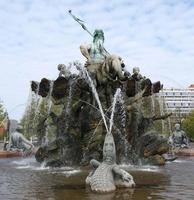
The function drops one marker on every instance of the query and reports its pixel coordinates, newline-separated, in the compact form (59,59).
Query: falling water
(29,102)
(50,96)
(46,140)
(166,108)
(169,125)
(161,106)
(153,102)
(49,104)
(37,91)
(37,111)
(38,100)
(68,107)
(28,108)
(123,124)
(113,108)
(125,146)
(122,112)
(79,67)
(96,96)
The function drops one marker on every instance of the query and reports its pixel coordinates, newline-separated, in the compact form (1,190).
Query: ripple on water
(72,172)
(148,168)
(181,161)
(25,179)
(30,163)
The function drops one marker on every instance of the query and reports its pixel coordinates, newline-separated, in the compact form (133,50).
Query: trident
(80,22)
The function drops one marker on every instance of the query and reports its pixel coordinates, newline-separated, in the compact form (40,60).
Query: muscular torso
(97,55)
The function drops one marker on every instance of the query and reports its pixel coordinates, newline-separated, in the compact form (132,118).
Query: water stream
(37,92)
(50,96)
(37,111)
(68,108)
(96,96)
(161,106)
(118,91)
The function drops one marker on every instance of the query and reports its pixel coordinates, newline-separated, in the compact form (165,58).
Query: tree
(3,121)
(29,118)
(36,113)
(188,125)
(2,112)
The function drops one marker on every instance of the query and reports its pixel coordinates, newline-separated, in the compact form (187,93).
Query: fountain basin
(185,152)
(10,154)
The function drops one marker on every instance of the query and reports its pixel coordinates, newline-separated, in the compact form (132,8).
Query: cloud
(156,35)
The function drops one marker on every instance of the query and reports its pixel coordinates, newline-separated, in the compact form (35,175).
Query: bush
(188,125)
(2,121)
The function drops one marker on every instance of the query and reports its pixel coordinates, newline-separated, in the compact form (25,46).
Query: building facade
(180,102)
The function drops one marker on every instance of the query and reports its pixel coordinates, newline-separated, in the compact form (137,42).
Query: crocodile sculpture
(106,176)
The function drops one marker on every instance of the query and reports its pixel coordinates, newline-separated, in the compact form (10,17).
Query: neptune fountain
(81,106)
(79,130)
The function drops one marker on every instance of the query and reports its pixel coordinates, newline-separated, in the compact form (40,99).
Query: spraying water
(50,96)
(96,96)
(117,98)
(118,92)
(68,107)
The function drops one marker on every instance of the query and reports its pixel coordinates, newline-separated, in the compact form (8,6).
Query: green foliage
(2,112)
(36,119)
(188,125)
(2,118)
(32,116)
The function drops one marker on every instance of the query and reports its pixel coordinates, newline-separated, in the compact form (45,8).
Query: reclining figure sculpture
(19,142)
(179,138)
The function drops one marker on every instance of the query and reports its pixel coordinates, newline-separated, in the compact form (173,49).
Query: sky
(37,35)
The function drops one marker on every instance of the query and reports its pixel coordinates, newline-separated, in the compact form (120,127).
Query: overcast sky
(37,35)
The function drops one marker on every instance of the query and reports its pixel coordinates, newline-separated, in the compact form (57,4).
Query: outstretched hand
(126,177)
